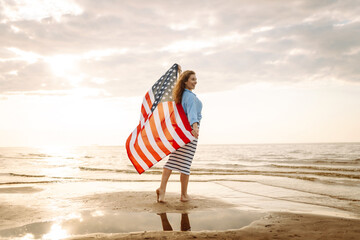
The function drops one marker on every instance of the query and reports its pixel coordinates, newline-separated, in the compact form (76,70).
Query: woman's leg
(162,189)
(185,223)
(184,179)
(165,222)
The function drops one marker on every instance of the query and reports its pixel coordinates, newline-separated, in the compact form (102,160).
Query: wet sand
(13,215)
(274,226)
(25,206)
(19,190)
(145,201)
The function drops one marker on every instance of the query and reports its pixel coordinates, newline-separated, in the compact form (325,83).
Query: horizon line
(99,145)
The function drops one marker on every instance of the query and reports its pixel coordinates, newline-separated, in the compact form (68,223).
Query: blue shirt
(192,106)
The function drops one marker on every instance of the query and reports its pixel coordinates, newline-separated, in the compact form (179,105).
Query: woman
(181,159)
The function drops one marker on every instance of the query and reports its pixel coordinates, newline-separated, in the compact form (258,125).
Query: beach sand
(271,224)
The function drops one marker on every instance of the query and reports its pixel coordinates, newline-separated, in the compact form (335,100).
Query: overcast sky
(75,72)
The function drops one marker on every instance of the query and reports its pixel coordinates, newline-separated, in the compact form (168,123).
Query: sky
(74,72)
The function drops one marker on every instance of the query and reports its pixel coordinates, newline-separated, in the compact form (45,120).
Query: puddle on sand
(119,222)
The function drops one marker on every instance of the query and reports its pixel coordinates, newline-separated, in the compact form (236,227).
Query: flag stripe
(151,95)
(131,157)
(148,100)
(134,152)
(160,130)
(143,111)
(164,127)
(144,149)
(157,136)
(146,106)
(178,130)
(139,152)
(180,122)
(169,125)
(183,117)
(153,143)
(149,147)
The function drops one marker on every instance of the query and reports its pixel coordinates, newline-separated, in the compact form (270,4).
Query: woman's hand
(195,130)
(179,69)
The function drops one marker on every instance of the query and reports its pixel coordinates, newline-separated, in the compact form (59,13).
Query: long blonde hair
(180,85)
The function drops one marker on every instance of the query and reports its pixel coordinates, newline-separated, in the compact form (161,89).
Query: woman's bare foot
(160,196)
(185,198)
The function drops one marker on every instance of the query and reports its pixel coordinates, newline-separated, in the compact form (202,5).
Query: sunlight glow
(193,45)
(97,213)
(27,236)
(61,65)
(27,56)
(15,29)
(56,232)
(38,9)
(65,66)
(72,216)
(64,151)
(14,72)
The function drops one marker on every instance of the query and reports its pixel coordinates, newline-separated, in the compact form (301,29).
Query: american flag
(163,125)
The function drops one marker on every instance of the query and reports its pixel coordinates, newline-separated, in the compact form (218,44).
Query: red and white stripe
(158,134)
(146,106)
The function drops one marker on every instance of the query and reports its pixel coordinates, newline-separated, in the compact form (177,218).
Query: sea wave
(339,205)
(212,177)
(42,155)
(28,182)
(313,192)
(317,168)
(207,171)
(344,162)
(105,169)
(25,175)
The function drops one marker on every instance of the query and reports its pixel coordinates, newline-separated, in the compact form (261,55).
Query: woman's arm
(191,113)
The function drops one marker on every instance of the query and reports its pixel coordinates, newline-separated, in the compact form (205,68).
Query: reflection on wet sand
(185,223)
(109,221)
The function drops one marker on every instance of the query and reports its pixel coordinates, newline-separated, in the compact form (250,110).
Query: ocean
(323,174)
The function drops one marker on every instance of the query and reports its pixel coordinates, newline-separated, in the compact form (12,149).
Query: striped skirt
(181,159)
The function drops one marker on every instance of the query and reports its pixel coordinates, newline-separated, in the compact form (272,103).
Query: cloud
(121,47)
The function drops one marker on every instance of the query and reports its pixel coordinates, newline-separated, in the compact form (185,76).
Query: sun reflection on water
(62,161)
(27,236)
(97,213)
(66,152)
(56,232)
